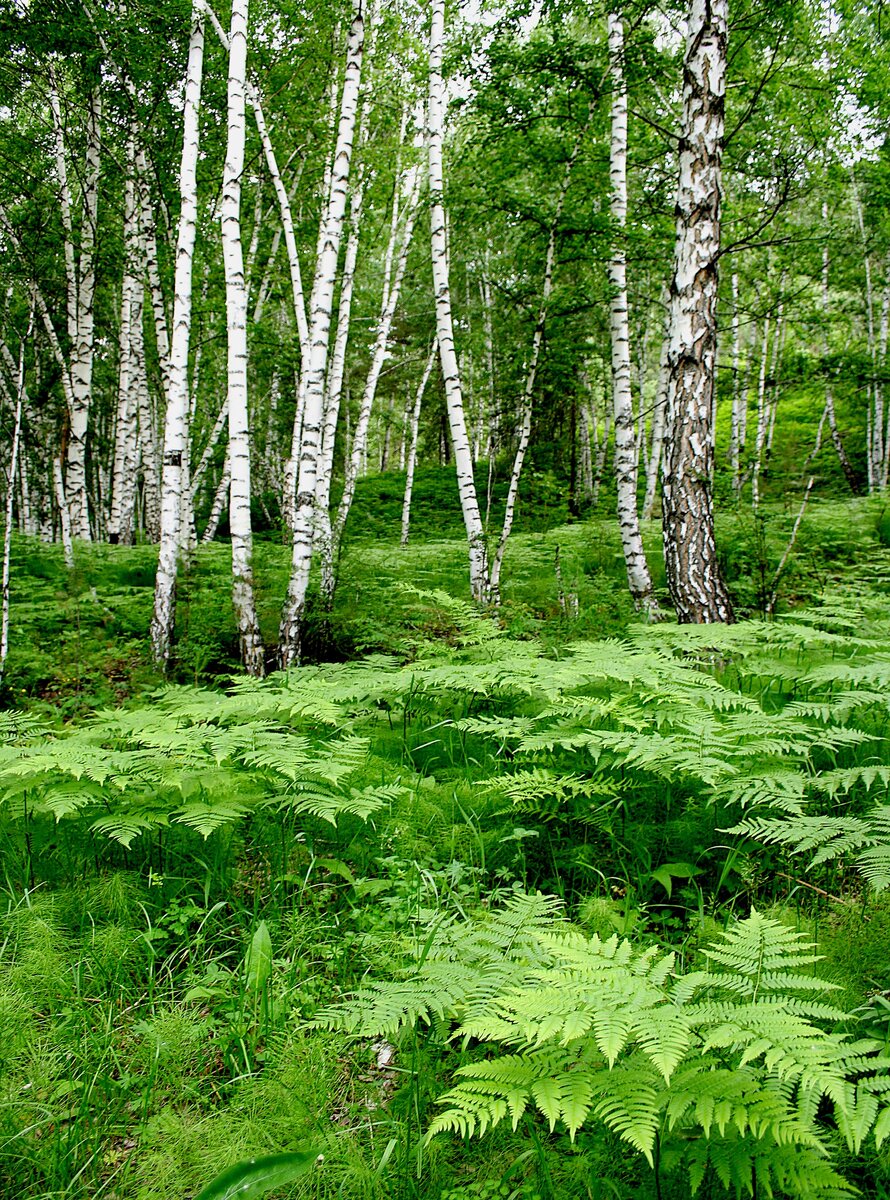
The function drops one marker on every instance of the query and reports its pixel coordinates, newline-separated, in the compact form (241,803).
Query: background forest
(444,601)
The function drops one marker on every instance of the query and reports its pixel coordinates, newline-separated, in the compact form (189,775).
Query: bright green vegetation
(548,907)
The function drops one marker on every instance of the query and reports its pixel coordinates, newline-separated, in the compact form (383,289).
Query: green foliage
(259,1176)
(738,1055)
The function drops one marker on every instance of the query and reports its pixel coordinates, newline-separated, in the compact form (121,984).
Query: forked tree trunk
(315,370)
(693,572)
(463,459)
(639,579)
(243,600)
(175,440)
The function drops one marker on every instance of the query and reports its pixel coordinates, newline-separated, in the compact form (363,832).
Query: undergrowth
(504,908)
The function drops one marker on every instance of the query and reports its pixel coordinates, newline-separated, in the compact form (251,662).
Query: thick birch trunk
(414,426)
(639,579)
(175,440)
(478,551)
(693,573)
(252,655)
(315,369)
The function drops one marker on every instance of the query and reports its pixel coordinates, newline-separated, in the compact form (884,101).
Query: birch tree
(80,275)
(693,573)
(480,583)
(638,577)
(315,370)
(249,637)
(175,439)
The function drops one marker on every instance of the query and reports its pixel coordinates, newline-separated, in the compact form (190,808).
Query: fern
(832,838)
(736,1056)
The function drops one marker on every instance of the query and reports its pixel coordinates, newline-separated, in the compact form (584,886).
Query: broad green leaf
(258,960)
(254,1178)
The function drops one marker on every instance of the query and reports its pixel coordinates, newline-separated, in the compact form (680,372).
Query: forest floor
(198,875)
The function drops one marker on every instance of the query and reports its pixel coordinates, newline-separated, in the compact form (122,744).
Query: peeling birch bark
(693,572)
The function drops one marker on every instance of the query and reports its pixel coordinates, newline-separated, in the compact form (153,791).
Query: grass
(142,1048)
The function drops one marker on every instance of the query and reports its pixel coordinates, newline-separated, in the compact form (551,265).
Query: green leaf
(258,960)
(257,1176)
(666,874)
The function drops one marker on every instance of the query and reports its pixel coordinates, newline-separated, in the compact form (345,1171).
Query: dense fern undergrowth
(555,905)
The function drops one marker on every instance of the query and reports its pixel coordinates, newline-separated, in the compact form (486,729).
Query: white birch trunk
(152,270)
(638,578)
(82,351)
(220,499)
(64,516)
(251,645)
(466,486)
(411,463)
(175,441)
(315,370)
(123,475)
